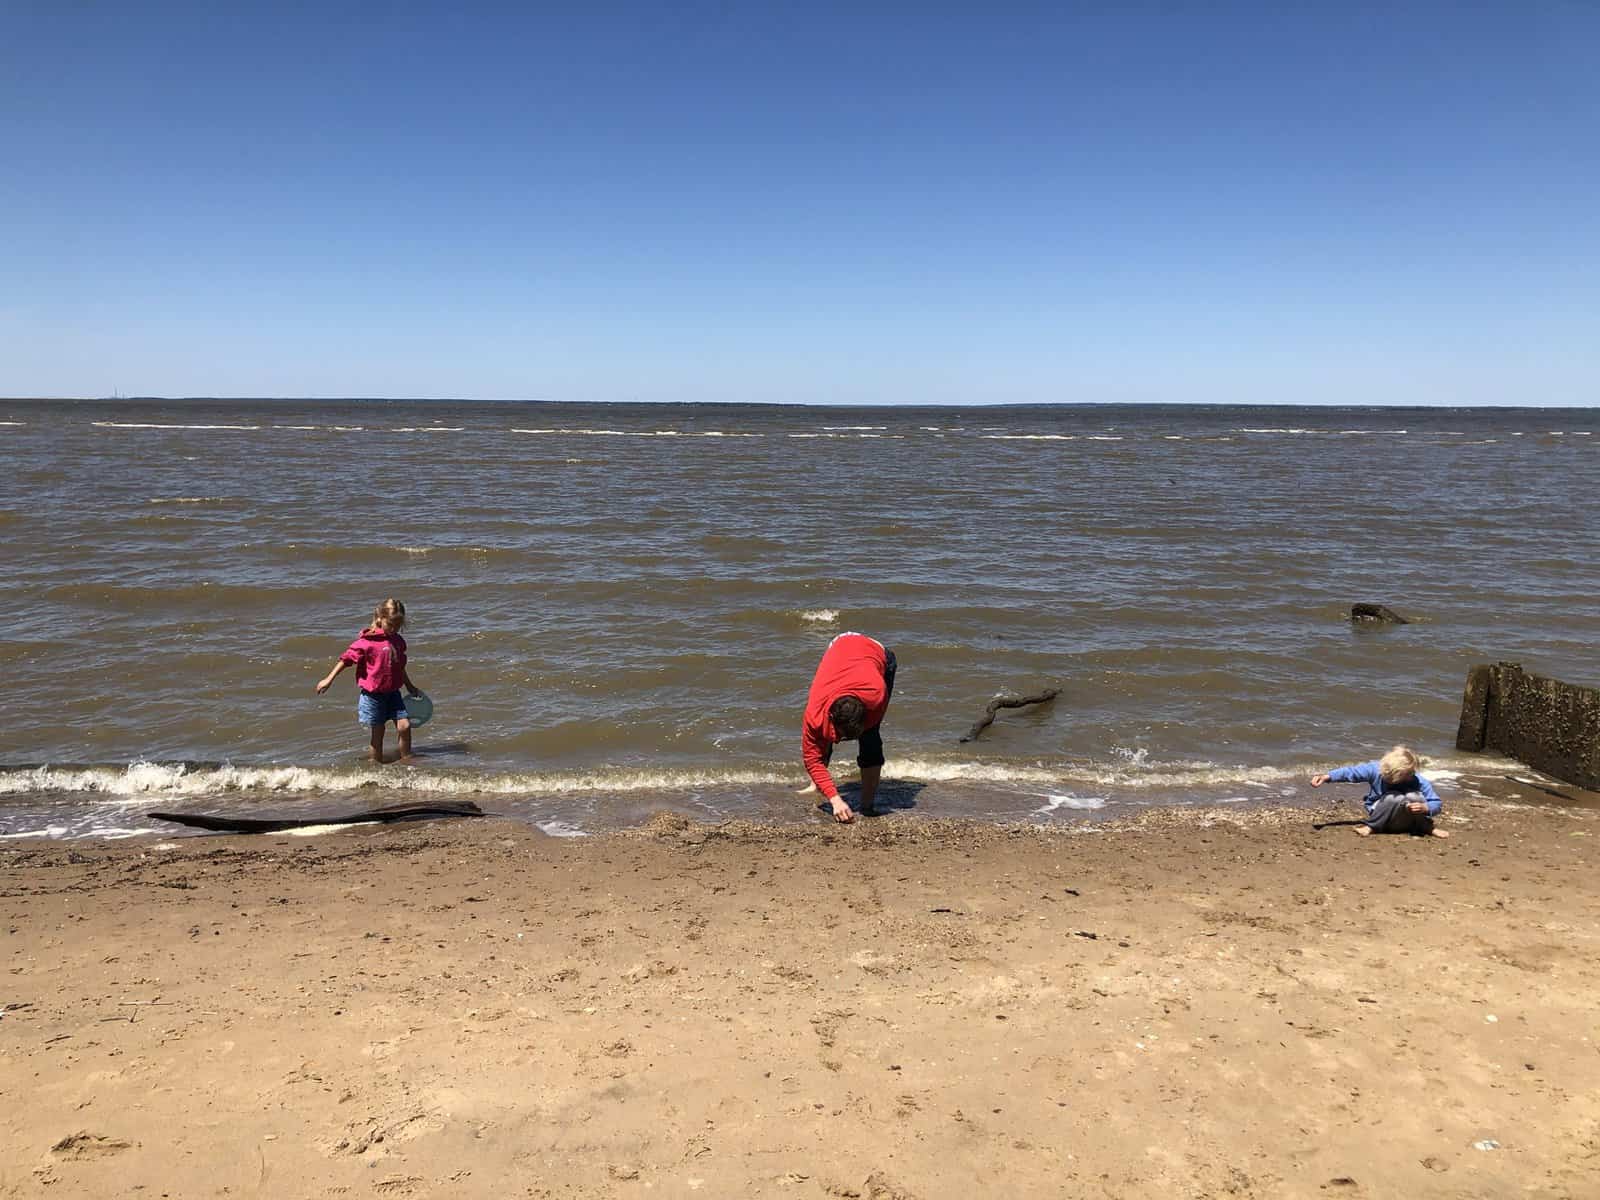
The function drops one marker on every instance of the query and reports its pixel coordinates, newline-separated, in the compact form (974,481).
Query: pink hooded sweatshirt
(379,659)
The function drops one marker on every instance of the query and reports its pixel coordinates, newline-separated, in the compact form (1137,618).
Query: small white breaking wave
(161,425)
(146,780)
(822,616)
(186,500)
(1030,437)
(560,829)
(10,424)
(642,433)
(143,782)
(1055,802)
(842,437)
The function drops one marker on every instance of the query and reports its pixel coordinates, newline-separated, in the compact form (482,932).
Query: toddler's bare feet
(1363,831)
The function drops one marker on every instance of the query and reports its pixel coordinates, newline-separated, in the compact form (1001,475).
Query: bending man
(849,695)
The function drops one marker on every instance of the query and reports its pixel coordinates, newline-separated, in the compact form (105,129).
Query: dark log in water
(1000,702)
(395,813)
(1376,614)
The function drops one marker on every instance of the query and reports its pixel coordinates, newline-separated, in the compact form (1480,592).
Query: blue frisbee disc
(419,708)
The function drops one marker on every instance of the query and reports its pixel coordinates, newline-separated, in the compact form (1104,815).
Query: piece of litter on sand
(1486,1144)
(1491,1018)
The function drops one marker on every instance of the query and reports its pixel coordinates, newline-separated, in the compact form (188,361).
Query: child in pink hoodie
(379,657)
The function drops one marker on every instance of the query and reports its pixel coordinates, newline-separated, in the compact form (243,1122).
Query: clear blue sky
(854,202)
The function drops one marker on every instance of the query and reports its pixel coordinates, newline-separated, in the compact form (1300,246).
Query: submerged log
(1376,614)
(1000,702)
(387,816)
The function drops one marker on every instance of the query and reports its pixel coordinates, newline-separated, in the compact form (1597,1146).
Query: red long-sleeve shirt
(853,665)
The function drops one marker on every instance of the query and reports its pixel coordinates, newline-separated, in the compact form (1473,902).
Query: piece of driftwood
(1377,613)
(393,814)
(1000,702)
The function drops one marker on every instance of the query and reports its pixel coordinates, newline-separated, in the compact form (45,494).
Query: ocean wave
(822,616)
(12,424)
(642,433)
(163,425)
(1131,770)
(1030,437)
(1055,802)
(150,780)
(186,500)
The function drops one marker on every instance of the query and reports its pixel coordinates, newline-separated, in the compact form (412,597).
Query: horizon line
(1353,407)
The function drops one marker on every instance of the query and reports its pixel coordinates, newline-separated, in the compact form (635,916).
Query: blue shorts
(379,708)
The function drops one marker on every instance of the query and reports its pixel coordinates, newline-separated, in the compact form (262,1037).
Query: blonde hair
(1400,763)
(389,616)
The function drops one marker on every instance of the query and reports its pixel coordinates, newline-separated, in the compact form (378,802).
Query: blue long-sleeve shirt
(1377,789)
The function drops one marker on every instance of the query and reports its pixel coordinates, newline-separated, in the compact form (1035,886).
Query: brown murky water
(619,607)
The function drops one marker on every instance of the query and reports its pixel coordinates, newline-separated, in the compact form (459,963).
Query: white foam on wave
(12,424)
(160,425)
(1105,437)
(143,781)
(428,429)
(1053,802)
(1273,429)
(299,427)
(853,428)
(894,437)
(560,829)
(186,500)
(823,616)
(307,831)
(1030,437)
(642,433)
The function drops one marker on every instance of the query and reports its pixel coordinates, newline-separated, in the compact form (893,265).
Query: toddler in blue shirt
(1398,800)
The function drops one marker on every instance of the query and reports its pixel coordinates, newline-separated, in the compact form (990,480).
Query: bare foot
(1440,833)
(841,811)
(1363,831)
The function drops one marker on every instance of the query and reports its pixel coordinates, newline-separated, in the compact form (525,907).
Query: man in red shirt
(849,695)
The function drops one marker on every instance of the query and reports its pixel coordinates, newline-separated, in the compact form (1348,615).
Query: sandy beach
(1194,1004)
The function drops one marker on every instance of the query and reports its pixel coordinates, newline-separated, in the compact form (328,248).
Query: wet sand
(1194,1004)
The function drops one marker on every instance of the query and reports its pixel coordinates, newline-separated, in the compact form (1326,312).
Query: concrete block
(1550,725)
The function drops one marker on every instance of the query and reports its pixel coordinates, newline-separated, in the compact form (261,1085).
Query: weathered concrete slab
(1550,725)
(1474,710)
